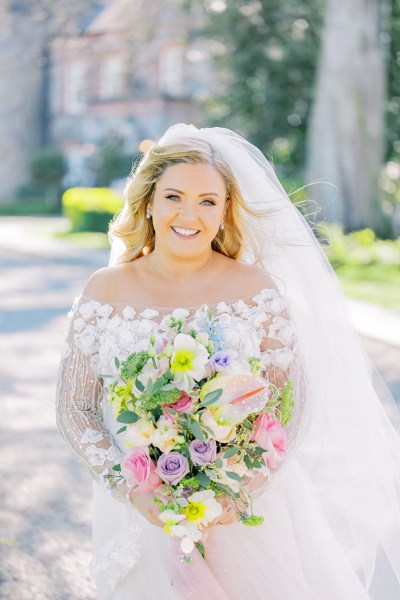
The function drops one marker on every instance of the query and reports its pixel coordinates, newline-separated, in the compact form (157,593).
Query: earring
(148,214)
(222,225)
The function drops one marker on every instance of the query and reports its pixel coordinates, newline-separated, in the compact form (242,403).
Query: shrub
(91,209)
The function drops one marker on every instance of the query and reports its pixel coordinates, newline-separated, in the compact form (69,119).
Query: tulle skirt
(293,555)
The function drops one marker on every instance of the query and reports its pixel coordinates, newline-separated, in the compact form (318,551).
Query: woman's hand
(145,505)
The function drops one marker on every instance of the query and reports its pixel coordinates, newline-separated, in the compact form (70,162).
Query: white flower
(187,545)
(96,456)
(79,324)
(140,433)
(222,307)
(169,517)
(202,508)
(128,312)
(282,329)
(91,435)
(114,454)
(104,310)
(188,361)
(114,323)
(181,313)
(86,341)
(89,309)
(202,338)
(166,435)
(149,313)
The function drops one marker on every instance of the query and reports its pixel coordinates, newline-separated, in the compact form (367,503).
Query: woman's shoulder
(251,278)
(104,284)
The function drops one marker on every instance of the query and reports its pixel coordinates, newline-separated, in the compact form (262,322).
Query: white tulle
(332,511)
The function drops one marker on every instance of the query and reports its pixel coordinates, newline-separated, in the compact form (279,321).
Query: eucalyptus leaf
(234,475)
(196,429)
(246,423)
(122,429)
(139,385)
(203,479)
(219,463)
(117,363)
(117,468)
(227,490)
(231,452)
(211,397)
(127,416)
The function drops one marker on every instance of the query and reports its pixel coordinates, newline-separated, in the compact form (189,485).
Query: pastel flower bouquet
(198,425)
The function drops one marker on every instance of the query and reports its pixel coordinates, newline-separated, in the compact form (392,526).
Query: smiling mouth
(188,233)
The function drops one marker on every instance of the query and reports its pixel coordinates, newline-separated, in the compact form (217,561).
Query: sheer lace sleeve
(78,403)
(282,360)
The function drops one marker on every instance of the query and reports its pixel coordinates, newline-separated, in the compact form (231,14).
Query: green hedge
(91,209)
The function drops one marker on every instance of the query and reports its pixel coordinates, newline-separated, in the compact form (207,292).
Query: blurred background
(84,89)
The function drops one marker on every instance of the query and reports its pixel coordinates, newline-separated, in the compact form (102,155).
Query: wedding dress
(293,555)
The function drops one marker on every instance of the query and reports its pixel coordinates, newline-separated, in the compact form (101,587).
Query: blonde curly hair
(137,232)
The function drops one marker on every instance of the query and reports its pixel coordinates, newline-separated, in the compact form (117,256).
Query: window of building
(112,78)
(75,87)
(171,71)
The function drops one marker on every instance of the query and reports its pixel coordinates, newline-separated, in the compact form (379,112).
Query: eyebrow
(180,192)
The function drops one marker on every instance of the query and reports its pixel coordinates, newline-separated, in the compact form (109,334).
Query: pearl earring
(148,214)
(222,225)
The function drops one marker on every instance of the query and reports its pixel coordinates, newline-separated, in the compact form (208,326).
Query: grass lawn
(378,285)
(93,240)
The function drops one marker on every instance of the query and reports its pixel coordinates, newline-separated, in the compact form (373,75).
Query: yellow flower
(195,511)
(183,361)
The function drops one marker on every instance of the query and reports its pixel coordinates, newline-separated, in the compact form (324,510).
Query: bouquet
(198,423)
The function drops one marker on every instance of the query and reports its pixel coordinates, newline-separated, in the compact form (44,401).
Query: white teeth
(187,232)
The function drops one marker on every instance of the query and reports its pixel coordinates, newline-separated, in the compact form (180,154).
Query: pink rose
(139,469)
(183,404)
(270,435)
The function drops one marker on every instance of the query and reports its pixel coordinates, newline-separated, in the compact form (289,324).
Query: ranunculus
(166,434)
(202,453)
(140,433)
(222,433)
(172,467)
(220,360)
(140,470)
(270,435)
(183,404)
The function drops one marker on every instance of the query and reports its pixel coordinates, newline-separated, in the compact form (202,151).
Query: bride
(206,226)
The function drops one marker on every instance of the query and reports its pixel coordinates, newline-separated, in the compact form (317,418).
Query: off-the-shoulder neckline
(172,308)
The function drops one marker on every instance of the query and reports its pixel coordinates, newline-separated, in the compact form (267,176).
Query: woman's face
(188,206)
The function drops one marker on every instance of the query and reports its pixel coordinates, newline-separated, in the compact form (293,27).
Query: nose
(187,211)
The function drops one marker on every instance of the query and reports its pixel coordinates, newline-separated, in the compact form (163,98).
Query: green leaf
(158,384)
(219,463)
(246,423)
(117,468)
(211,397)
(196,429)
(231,452)
(122,429)
(149,387)
(247,461)
(117,363)
(127,416)
(139,385)
(203,479)
(227,490)
(234,475)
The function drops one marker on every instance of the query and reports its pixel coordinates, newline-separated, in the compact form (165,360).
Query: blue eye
(211,203)
(172,196)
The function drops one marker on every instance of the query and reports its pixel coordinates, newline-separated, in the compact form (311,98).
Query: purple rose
(202,453)
(220,360)
(172,467)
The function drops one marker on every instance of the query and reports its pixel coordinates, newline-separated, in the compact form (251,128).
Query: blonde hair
(137,232)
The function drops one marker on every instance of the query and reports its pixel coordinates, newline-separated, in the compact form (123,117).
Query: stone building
(130,74)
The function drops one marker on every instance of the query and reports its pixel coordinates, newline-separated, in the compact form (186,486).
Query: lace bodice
(98,332)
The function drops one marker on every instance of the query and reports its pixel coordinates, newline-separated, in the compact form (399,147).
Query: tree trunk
(345,142)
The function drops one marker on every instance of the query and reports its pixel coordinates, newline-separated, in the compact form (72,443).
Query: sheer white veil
(345,442)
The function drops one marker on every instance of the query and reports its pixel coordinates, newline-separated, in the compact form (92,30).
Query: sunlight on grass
(93,240)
